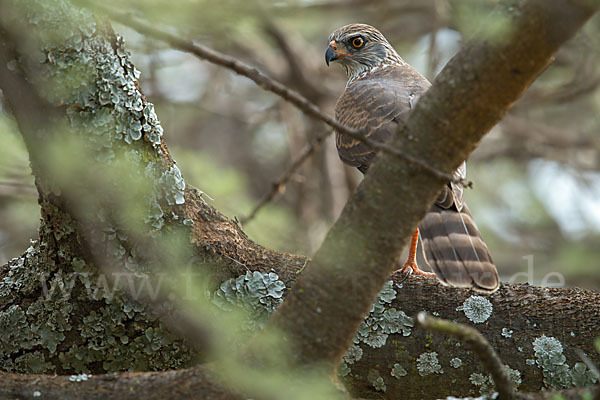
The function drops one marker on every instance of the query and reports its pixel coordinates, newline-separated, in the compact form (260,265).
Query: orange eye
(358,42)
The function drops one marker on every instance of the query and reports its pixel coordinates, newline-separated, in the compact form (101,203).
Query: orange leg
(410,266)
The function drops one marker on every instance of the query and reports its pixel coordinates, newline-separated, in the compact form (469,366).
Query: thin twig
(475,341)
(265,83)
(279,184)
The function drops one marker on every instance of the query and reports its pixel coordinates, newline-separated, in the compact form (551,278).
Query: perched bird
(380,92)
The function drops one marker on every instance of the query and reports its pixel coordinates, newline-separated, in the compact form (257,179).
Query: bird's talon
(405,277)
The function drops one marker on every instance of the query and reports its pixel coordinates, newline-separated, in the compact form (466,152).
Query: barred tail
(456,251)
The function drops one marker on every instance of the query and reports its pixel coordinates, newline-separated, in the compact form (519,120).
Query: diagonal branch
(279,184)
(266,83)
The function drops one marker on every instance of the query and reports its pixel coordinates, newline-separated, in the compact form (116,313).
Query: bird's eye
(358,42)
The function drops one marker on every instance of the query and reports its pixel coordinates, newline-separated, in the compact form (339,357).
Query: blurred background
(536,193)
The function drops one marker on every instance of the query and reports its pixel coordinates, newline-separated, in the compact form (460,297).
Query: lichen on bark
(58,311)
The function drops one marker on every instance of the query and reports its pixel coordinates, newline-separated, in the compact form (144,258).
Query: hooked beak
(330,55)
(333,53)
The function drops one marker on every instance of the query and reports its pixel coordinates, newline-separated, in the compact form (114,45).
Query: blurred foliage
(19,211)
(226,189)
(231,139)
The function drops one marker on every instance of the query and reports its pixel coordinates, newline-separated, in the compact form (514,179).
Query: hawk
(380,92)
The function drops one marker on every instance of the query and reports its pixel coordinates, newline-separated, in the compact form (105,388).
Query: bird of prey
(380,92)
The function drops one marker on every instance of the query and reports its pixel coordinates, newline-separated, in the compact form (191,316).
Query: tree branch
(266,83)
(194,383)
(279,184)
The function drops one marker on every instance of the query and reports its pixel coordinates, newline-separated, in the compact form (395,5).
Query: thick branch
(194,383)
(518,315)
(362,248)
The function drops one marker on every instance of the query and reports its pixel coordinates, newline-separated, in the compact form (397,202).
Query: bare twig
(474,340)
(264,82)
(279,184)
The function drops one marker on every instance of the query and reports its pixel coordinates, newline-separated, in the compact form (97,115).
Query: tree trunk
(60,312)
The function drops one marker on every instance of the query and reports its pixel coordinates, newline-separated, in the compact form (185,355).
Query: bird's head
(359,48)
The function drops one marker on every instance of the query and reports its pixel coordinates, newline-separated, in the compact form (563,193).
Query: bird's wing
(453,246)
(375,105)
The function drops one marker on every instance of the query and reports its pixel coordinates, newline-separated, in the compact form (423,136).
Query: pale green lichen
(456,362)
(398,371)
(514,375)
(16,334)
(98,84)
(550,358)
(55,312)
(477,309)
(115,335)
(353,354)
(343,369)
(557,373)
(39,325)
(89,73)
(19,278)
(259,294)
(79,377)
(115,338)
(34,363)
(382,321)
(376,380)
(581,376)
(428,363)
(484,383)
(174,185)
(507,333)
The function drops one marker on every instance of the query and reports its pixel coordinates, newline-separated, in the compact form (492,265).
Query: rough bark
(336,290)
(519,315)
(193,383)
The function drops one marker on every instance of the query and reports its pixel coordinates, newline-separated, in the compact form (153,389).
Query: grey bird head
(359,48)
